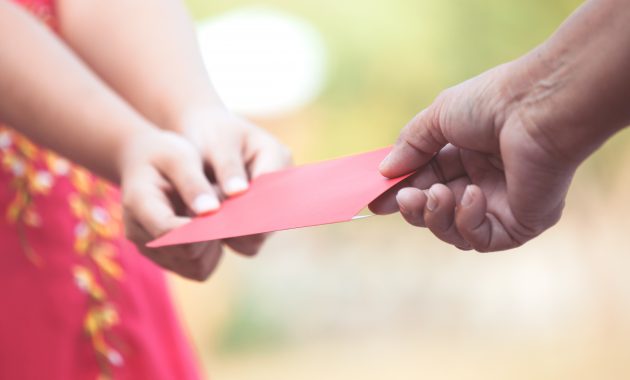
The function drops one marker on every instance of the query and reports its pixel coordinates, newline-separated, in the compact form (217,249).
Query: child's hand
(163,182)
(234,151)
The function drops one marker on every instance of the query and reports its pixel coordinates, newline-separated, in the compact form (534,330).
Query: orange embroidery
(18,158)
(99,220)
(34,173)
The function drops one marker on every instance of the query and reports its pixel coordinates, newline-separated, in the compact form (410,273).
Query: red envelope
(322,193)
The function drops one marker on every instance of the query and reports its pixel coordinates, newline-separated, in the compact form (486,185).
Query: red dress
(77,301)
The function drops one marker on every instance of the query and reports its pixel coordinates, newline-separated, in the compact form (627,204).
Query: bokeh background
(376,298)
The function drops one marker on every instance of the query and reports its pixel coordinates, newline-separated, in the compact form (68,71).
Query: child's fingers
(439,214)
(268,155)
(247,245)
(134,232)
(145,203)
(195,261)
(203,265)
(185,172)
(208,262)
(156,216)
(225,158)
(137,234)
(471,219)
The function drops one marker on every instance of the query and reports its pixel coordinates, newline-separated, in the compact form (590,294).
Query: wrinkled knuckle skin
(444,94)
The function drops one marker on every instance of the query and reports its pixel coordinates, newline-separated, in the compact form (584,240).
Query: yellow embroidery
(98,224)
(18,159)
(99,221)
(104,255)
(96,227)
(34,173)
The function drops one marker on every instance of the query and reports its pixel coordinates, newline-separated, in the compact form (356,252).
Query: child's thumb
(187,175)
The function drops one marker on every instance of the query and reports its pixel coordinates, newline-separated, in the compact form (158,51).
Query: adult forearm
(578,91)
(49,95)
(146,50)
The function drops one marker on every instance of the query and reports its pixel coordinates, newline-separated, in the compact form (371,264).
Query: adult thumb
(419,141)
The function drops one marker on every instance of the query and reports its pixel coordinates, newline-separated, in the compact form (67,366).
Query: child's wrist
(192,112)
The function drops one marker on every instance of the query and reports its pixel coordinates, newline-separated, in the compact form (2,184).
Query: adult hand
(496,154)
(489,179)
(494,161)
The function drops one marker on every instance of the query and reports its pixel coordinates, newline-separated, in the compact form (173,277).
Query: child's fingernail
(467,198)
(205,203)
(236,185)
(432,201)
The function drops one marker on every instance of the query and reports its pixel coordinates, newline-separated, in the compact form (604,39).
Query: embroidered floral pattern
(98,223)
(18,158)
(34,173)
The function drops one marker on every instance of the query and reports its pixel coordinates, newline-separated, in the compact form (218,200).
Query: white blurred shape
(263,62)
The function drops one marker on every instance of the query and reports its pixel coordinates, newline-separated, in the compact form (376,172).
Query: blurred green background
(378,299)
(388,59)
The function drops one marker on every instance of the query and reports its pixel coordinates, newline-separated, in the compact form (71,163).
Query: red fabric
(77,301)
